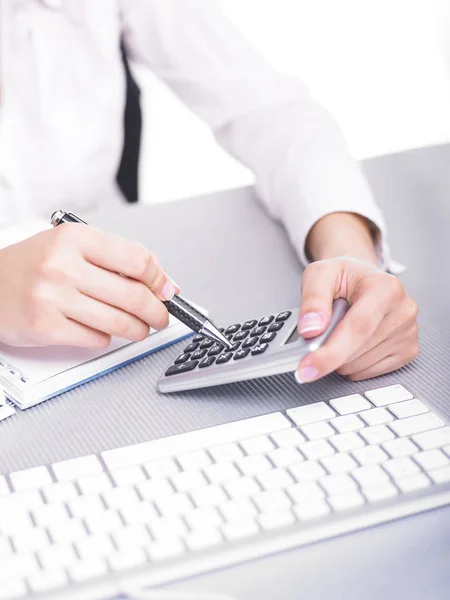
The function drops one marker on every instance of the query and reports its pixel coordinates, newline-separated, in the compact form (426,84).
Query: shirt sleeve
(264,118)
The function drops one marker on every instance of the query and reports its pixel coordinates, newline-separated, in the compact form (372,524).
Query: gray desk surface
(255,270)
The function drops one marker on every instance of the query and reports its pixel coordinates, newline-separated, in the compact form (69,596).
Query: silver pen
(177,306)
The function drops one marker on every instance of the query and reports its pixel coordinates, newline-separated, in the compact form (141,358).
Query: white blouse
(63,93)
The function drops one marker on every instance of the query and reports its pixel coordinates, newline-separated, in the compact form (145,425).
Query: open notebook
(31,375)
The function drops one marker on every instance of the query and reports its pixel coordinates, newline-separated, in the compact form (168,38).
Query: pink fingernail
(308,373)
(311,321)
(168,290)
(297,378)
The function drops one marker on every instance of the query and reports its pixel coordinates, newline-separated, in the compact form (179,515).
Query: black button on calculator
(259,349)
(191,348)
(223,358)
(206,362)
(232,329)
(240,336)
(242,353)
(206,344)
(198,338)
(181,359)
(187,366)
(216,349)
(234,347)
(259,330)
(266,320)
(276,326)
(249,324)
(198,354)
(283,316)
(268,337)
(250,342)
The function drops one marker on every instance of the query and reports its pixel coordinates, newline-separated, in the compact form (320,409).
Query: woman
(62,100)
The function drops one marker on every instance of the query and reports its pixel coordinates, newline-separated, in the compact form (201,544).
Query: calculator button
(216,349)
(206,362)
(259,349)
(259,331)
(191,348)
(187,366)
(266,320)
(232,329)
(283,316)
(206,344)
(223,358)
(250,342)
(198,354)
(234,347)
(181,359)
(240,336)
(276,326)
(268,337)
(198,338)
(242,353)
(249,324)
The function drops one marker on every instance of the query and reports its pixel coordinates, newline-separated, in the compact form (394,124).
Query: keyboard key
(258,331)
(242,353)
(192,347)
(388,395)
(317,431)
(276,519)
(307,471)
(338,484)
(194,460)
(59,492)
(30,540)
(47,580)
(206,362)
(166,548)
(241,488)
(242,335)
(30,478)
(206,517)
(215,350)
(275,327)
(400,447)
(283,457)
(208,495)
(207,343)
(317,449)
(259,349)
(185,367)
(203,538)
(197,355)
(67,531)
(441,475)
(238,530)
(377,434)
(376,416)
(273,500)
(69,470)
(311,413)
(188,480)
(412,425)
(370,475)
(127,559)
(232,329)
(344,442)
(267,337)
(347,405)
(250,342)
(165,467)
(168,527)
(221,472)
(338,463)
(398,468)
(410,408)
(174,505)
(94,546)
(128,475)
(84,570)
(18,566)
(224,358)
(283,316)
(431,459)
(433,439)
(303,493)
(239,510)
(140,512)
(82,506)
(104,522)
(257,445)
(251,465)
(287,437)
(309,512)
(155,489)
(120,497)
(370,455)
(13,588)
(181,359)
(249,324)
(347,501)
(227,452)
(266,320)
(94,484)
(347,423)
(275,479)
(130,537)
(414,483)
(380,492)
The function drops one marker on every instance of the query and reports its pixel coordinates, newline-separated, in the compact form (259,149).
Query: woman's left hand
(379,334)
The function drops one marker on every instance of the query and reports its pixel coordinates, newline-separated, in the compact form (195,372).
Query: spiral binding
(16,373)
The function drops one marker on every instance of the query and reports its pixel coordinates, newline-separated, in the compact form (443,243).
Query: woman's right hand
(62,287)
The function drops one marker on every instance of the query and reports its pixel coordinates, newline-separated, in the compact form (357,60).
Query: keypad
(249,324)
(251,338)
(198,354)
(206,362)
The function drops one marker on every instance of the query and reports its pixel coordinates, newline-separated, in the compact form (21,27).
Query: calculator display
(294,336)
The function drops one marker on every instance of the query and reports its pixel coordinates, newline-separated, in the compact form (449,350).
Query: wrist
(342,234)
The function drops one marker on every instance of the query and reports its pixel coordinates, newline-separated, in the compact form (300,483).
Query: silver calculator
(265,346)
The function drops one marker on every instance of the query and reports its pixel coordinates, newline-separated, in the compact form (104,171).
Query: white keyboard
(171,508)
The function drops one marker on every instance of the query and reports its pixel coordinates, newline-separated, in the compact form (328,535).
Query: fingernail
(168,290)
(311,321)
(297,378)
(308,373)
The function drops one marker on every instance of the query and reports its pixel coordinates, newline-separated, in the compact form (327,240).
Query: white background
(382,67)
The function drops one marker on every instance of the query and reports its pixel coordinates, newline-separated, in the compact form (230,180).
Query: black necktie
(127,175)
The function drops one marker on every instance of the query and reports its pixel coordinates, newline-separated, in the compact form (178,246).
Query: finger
(129,295)
(358,325)
(71,333)
(319,286)
(106,318)
(129,258)
(386,365)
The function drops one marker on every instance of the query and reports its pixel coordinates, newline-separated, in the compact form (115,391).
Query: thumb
(318,292)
